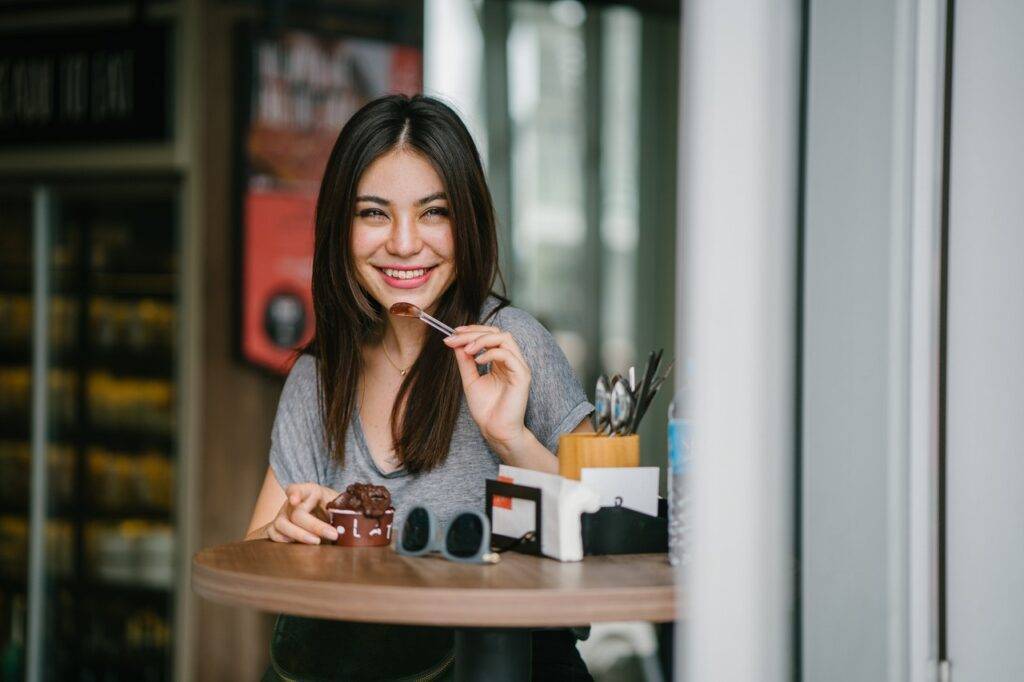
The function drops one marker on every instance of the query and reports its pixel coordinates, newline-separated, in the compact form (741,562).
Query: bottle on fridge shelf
(679,436)
(12,657)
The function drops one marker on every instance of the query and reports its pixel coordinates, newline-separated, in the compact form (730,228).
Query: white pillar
(738,245)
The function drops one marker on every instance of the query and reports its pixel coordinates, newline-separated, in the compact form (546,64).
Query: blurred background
(159,164)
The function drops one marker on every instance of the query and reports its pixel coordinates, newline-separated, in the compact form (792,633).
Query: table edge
(410,605)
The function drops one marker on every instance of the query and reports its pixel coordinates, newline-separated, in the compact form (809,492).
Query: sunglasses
(465,539)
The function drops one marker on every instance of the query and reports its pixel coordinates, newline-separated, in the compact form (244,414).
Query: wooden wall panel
(238,401)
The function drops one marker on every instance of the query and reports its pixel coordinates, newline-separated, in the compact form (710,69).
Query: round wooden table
(493,606)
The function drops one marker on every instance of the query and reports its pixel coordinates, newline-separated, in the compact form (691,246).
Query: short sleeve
(297,440)
(557,402)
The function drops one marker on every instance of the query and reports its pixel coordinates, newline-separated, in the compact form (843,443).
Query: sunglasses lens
(416,531)
(465,535)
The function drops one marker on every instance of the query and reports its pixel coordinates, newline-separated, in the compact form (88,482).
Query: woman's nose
(404,239)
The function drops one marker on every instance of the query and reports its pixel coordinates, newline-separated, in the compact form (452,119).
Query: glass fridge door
(15,450)
(92,454)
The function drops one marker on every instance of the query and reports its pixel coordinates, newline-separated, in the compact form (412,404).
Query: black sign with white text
(98,86)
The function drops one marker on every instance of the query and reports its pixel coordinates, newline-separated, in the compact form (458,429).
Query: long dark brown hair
(347,317)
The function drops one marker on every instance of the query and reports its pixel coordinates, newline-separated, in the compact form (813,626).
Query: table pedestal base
(483,655)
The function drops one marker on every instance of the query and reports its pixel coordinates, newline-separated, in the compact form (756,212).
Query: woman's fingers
(305,501)
(497,346)
(476,328)
(490,340)
(305,514)
(474,342)
(503,342)
(306,520)
(297,492)
(308,503)
(274,535)
(470,333)
(467,368)
(289,529)
(309,495)
(503,357)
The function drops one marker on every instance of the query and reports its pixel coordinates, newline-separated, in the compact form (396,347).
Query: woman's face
(402,237)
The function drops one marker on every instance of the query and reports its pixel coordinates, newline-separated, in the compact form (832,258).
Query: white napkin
(637,487)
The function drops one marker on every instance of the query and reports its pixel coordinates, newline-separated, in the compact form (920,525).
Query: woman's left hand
(497,400)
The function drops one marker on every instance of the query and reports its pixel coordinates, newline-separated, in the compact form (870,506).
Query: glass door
(90,462)
(15,450)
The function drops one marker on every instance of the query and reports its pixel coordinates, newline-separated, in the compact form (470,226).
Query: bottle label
(678,445)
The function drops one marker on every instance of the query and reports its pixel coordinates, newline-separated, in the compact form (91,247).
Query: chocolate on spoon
(403,309)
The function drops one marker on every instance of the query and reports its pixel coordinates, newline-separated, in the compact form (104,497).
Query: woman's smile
(405,276)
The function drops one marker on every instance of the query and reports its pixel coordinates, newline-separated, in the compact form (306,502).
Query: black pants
(555,657)
(310,649)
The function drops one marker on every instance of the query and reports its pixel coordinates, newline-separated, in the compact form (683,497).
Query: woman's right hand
(303,515)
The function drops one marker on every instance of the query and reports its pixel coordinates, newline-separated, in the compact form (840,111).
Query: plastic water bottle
(679,434)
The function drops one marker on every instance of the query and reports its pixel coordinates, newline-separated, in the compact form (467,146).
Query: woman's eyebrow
(384,202)
(433,197)
(373,199)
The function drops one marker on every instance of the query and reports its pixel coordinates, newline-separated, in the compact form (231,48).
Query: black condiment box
(619,530)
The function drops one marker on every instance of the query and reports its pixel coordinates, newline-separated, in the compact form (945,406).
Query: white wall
(986,345)
(854,343)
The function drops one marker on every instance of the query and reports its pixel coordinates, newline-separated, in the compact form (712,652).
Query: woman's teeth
(405,274)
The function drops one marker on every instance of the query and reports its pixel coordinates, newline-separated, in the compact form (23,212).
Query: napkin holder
(511,491)
(564,500)
(620,530)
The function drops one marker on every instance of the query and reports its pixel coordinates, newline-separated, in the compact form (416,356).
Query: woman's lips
(405,282)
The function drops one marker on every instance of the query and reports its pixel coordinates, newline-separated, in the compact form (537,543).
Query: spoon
(602,404)
(411,310)
(622,408)
(403,309)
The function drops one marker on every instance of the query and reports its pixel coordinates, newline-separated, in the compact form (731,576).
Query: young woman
(404,214)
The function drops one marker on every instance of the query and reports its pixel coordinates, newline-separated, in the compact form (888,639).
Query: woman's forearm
(528,453)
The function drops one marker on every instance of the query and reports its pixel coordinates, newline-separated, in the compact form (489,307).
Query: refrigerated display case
(88,461)
(15,329)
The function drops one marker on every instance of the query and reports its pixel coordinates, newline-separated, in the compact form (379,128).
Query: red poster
(304,89)
(278,313)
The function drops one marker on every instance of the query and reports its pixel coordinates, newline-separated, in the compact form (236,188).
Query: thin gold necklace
(388,356)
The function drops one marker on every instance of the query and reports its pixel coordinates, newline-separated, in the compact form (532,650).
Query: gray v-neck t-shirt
(556,405)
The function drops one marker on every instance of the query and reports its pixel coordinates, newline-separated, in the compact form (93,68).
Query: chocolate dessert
(362,516)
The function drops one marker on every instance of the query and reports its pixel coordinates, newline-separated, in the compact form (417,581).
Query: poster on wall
(103,84)
(304,87)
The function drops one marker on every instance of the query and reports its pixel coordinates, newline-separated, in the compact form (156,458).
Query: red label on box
(500,501)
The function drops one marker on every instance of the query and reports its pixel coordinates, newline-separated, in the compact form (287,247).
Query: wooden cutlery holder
(584,450)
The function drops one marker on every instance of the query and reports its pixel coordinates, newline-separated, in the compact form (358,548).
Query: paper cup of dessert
(363,516)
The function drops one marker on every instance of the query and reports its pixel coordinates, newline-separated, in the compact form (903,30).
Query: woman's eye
(436,212)
(371,214)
